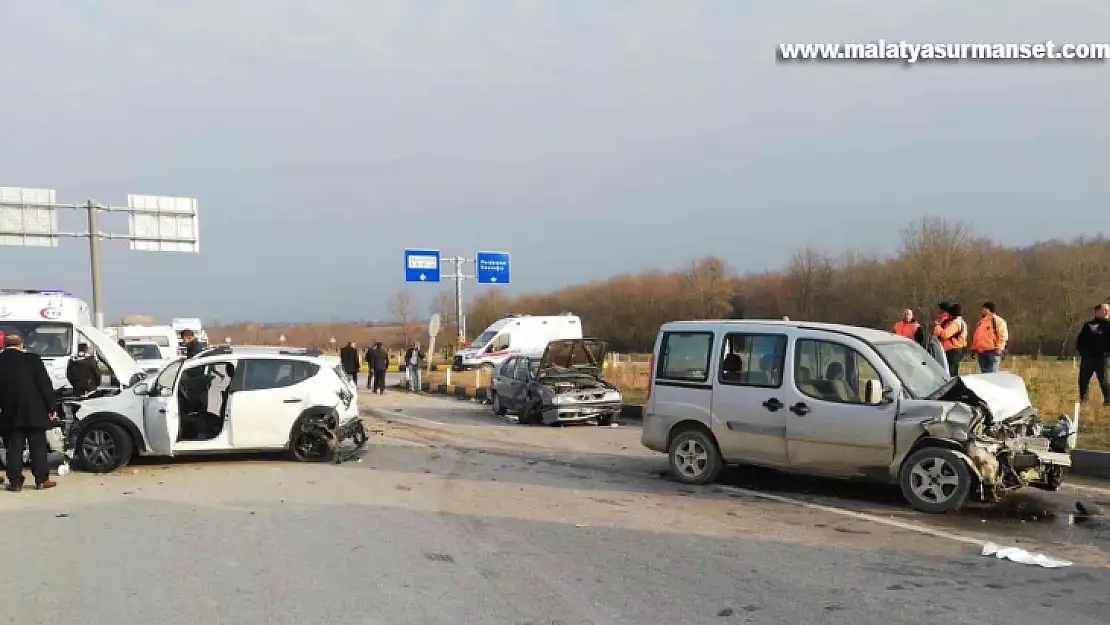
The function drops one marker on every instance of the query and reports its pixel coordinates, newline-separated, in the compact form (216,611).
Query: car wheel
(103,447)
(694,457)
(605,421)
(498,409)
(935,480)
(312,446)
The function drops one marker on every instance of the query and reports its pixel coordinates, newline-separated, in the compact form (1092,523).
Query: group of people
(377,362)
(947,339)
(376,359)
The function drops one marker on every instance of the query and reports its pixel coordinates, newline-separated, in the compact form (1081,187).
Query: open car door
(161,416)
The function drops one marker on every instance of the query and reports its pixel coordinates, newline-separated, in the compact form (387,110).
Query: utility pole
(94,262)
(29,218)
(458,277)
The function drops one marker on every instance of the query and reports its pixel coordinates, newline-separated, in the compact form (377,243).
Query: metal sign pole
(94,262)
(459,298)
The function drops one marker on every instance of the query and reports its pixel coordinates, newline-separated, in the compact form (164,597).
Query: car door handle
(801,409)
(773,404)
(291,400)
(162,410)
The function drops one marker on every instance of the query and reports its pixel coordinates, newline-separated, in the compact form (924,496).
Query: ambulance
(52,323)
(516,335)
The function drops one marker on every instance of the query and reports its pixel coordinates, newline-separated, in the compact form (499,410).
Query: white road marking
(859,516)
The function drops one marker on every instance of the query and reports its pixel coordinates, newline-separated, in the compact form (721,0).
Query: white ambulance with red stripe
(516,335)
(52,324)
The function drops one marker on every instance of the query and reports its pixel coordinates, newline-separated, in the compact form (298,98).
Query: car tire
(312,446)
(694,457)
(103,447)
(935,480)
(498,408)
(605,421)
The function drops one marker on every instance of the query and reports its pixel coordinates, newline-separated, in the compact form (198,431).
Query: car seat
(838,386)
(732,368)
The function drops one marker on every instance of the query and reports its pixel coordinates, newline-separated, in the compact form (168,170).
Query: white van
(164,336)
(52,324)
(516,335)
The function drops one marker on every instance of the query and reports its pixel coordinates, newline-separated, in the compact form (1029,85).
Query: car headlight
(560,399)
(612,396)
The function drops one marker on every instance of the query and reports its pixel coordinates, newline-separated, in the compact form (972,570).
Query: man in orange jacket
(990,338)
(951,329)
(908,326)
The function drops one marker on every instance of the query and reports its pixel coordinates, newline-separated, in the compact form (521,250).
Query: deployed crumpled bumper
(584,411)
(354,430)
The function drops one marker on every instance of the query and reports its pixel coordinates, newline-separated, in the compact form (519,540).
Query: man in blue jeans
(989,340)
(414,361)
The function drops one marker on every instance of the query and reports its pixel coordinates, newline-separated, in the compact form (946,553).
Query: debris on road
(1088,509)
(1021,556)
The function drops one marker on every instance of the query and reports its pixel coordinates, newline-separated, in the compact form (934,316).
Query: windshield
(144,351)
(483,338)
(919,372)
(47,339)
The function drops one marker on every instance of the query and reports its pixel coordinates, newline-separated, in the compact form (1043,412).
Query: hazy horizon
(586,138)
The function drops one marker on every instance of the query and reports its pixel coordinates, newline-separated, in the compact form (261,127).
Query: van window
(753,359)
(685,356)
(499,343)
(47,339)
(831,371)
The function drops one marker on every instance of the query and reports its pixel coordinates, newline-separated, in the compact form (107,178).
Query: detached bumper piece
(354,431)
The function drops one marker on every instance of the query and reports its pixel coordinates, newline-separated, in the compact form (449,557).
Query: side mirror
(873,393)
(141,389)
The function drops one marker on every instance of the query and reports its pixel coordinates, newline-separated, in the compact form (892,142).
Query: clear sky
(586,137)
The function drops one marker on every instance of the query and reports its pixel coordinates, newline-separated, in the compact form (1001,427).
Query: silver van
(848,402)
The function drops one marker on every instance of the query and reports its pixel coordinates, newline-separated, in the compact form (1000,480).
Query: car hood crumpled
(1004,393)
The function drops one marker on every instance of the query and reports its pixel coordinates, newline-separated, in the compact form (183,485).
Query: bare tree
(808,280)
(403,312)
(444,306)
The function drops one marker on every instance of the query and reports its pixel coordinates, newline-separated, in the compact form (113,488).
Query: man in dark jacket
(83,372)
(377,359)
(1093,345)
(192,347)
(348,356)
(26,413)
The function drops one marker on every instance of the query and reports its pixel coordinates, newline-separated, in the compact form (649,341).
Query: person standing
(907,326)
(192,347)
(378,362)
(83,372)
(1093,345)
(989,340)
(26,413)
(414,361)
(348,355)
(951,329)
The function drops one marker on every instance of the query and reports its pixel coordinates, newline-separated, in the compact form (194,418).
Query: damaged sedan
(846,402)
(564,385)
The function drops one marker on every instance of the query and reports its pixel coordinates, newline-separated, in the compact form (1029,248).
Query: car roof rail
(218,349)
(301,351)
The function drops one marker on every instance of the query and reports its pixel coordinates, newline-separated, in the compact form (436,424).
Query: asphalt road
(453,516)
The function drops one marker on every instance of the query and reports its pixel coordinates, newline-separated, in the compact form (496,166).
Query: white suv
(223,399)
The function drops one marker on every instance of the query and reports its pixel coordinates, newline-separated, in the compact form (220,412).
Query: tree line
(1044,291)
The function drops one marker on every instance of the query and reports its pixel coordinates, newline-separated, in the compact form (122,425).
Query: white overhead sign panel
(28,217)
(163,224)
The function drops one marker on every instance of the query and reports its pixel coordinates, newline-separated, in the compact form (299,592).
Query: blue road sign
(493,267)
(421,265)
